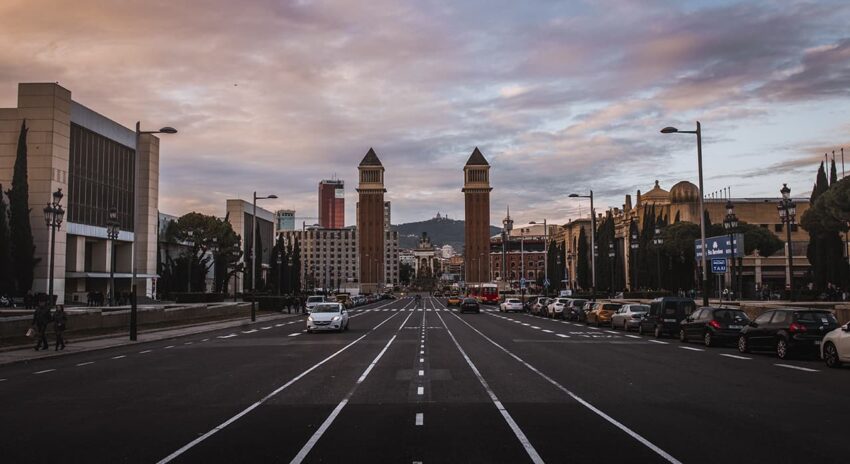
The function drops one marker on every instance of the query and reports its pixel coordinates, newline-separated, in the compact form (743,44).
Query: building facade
(523,255)
(240,215)
(332,204)
(370,223)
(476,192)
(284,219)
(92,160)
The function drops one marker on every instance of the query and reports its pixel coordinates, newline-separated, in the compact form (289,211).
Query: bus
(485,293)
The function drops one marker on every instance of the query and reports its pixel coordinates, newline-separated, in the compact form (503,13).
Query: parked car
(835,346)
(787,331)
(665,314)
(582,313)
(328,316)
(555,308)
(470,304)
(713,325)
(574,306)
(539,306)
(511,304)
(454,300)
(313,301)
(438,294)
(602,313)
(629,316)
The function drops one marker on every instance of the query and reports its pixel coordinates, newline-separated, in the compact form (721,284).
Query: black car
(573,308)
(581,313)
(787,331)
(665,314)
(713,325)
(470,304)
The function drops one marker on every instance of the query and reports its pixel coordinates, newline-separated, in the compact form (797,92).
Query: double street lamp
(658,240)
(634,245)
(611,256)
(254,255)
(53,215)
(730,223)
(113,226)
(592,241)
(698,133)
(787,212)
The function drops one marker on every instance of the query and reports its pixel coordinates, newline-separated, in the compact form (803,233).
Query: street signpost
(522,282)
(719,247)
(718,265)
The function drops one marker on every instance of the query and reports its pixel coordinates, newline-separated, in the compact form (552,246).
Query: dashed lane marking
(790,366)
(735,356)
(422,360)
(119,357)
(227,336)
(279,325)
(632,336)
(266,327)
(249,331)
(421,372)
(44,371)
(188,343)
(145,352)
(420,418)
(172,346)
(294,334)
(548,331)
(659,342)
(205,340)
(420,390)
(84,363)
(691,348)
(563,336)
(612,332)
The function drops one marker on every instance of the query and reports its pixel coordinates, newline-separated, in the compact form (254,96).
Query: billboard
(721,246)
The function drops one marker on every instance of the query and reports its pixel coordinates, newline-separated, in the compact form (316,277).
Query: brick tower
(476,192)
(370,223)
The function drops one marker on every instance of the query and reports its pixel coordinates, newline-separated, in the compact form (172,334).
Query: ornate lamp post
(569,267)
(279,259)
(611,256)
(730,223)
(657,240)
(113,226)
(592,241)
(189,240)
(53,215)
(787,212)
(634,245)
(254,255)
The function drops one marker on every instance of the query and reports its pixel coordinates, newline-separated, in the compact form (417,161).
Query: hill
(442,231)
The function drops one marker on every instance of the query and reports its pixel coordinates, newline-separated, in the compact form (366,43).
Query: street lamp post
(592,242)
(787,212)
(113,226)
(279,262)
(53,214)
(698,133)
(190,241)
(730,223)
(136,207)
(254,255)
(611,256)
(657,240)
(634,245)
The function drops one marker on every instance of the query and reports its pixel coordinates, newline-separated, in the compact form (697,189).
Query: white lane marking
(526,324)
(789,366)
(227,336)
(294,334)
(420,390)
(169,347)
(420,418)
(249,331)
(659,342)
(44,371)
(266,327)
(691,348)
(262,400)
(2,380)
(279,325)
(548,331)
(85,363)
(119,357)
(188,343)
(735,356)
(422,360)
(144,352)
(305,450)
(205,340)
(581,401)
(632,336)
(612,332)
(421,372)
(529,448)
(421,351)
(563,336)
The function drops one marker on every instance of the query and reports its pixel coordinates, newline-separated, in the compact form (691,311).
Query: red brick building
(476,190)
(332,204)
(370,223)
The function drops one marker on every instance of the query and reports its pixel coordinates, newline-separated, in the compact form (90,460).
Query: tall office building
(332,204)
(284,219)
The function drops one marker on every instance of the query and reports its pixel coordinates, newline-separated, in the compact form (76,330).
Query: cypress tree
(295,276)
(22,246)
(833,173)
(817,250)
(7,280)
(582,264)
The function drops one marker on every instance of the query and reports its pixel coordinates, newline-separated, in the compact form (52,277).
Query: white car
(313,301)
(555,309)
(835,346)
(629,316)
(328,316)
(511,304)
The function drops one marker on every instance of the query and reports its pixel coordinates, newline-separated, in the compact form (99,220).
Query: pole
(111,271)
(702,219)
(545,256)
(732,270)
(658,265)
(592,248)
(254,261)
(790,251)
(133,288)
(52,256)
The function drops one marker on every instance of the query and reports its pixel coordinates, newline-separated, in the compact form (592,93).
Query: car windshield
(315,299)
(817,317)
(610,307)
(639,308)
(512,300)
(326,308)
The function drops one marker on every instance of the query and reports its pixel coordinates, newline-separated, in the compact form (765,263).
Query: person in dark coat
(40,318)
(59,321)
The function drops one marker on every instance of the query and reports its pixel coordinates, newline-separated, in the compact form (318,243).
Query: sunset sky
(560,97)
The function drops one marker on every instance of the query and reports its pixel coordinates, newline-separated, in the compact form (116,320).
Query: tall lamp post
(730,223)
(787,212)
(53,215)
(611,256)
(658,240)
(592,242)
(191,242)
(113,226)
(136,207)
(279,259)
(698,132)
(634,245)
(254,255)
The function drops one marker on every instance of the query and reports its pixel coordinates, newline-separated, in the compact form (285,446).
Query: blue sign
(721,246)
(718,265)
(522,282)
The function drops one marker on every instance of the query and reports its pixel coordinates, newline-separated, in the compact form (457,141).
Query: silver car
(628,316)
(511,304)
(328,316)
(313,301)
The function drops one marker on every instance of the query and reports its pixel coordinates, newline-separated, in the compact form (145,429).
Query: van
(665,314)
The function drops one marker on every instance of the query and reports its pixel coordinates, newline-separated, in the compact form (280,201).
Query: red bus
(485,293)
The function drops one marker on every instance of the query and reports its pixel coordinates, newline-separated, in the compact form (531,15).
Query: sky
(560,96)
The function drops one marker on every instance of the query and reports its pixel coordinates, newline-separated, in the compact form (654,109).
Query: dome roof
(684,192)
(657,194)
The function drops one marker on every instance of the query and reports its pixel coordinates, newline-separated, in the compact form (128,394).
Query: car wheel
(658,333)
(743,344)
(682,336)
(708,340)
(782,348)
(830,355)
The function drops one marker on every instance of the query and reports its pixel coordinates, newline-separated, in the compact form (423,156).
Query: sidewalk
(82,345)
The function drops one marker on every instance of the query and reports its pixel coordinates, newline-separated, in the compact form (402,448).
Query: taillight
(714,324)
(795,327)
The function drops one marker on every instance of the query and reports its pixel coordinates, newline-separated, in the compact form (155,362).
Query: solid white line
(735,356)
(119,357)
(529,448)
(420,418)
(659,342)
(44,371)
(85,363)
(691,348)
(305,450)
(581,401)
(789,366)
(146,351)
(262,400)
(420,390)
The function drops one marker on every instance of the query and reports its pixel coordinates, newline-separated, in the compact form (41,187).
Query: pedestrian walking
(40,319)
(59,321)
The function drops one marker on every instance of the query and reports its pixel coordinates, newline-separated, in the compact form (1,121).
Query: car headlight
(309,318)
(336,318)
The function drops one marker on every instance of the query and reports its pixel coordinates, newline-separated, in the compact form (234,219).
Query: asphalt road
(420,383)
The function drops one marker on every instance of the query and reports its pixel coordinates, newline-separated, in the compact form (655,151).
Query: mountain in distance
(441,230)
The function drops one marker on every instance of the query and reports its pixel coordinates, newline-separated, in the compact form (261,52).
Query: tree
(825,219)
(405,271)
(678,248)
(582,264)
(7,278)
(20,231)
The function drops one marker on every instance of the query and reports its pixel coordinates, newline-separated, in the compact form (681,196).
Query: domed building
(684,202)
